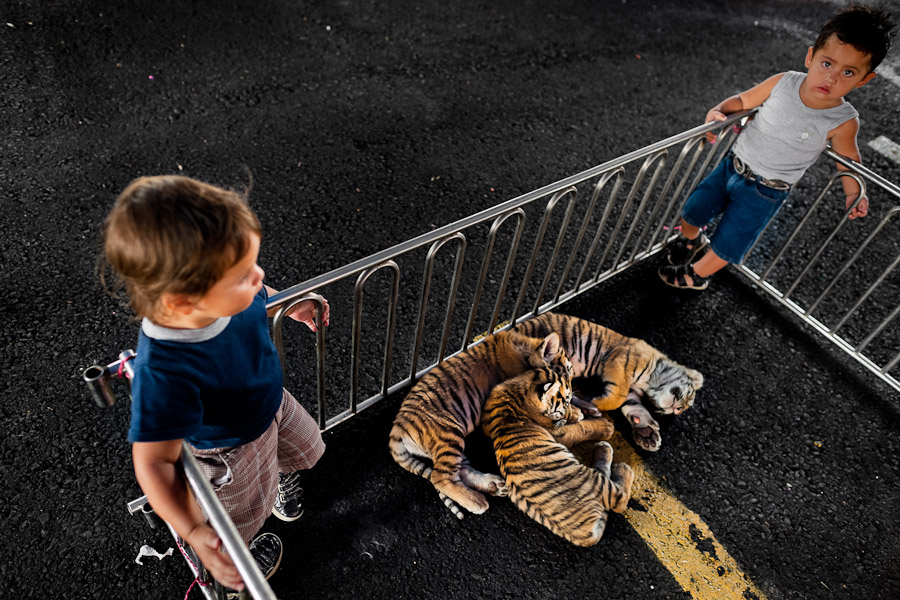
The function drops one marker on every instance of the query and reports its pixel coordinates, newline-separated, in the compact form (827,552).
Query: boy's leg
(702,206)
(687,246)
(300,446)
(693,276)
(709,264)
(689,231)
(752,206)
(244,479)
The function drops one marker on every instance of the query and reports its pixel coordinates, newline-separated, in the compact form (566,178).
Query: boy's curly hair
(867,29)
(174,234)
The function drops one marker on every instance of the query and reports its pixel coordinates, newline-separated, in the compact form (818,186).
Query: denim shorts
(746,207)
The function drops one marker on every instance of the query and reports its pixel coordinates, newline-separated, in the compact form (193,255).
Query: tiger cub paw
(494,485)
(574,415)
(489,483)
(644,427)
(623,477)
(647,438)
(588,410)
(501,489)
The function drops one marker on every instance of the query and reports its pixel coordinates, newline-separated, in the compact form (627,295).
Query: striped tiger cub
(532,424)
(428,436)
(631,369)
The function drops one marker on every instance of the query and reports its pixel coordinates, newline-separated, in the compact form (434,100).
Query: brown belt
(744,171)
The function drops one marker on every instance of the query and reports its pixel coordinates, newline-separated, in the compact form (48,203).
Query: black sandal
(682,250)
(676,276)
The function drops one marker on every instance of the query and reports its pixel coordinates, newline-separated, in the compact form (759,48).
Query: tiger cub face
(548,399)
(672,387)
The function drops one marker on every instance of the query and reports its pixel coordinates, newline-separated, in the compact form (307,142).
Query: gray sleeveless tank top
(786,136)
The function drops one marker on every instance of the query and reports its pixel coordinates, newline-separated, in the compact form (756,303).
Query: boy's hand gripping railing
(98,380)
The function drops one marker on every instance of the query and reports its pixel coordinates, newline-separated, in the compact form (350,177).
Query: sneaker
(683,251)
(289,501)
(676,276)
(266,552)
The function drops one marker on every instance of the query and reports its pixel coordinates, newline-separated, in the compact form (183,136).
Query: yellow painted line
(680,538)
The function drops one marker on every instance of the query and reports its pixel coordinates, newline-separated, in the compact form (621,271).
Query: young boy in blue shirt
(799,114)
(206,370)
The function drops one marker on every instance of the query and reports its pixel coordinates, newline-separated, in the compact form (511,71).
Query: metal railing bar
(218,518)
(357,327)
(866,295)
(847,265)
(724,142)
(564,228)
(538,242)
(865,172)
(619,174)
(277,338)
(841,222)
(577,245)
(613,236)
(629,200)
(209,585)
(699,143)
(451,301)
(795,232)
(486,261)
(662,156)
(891,364)
(874,333)
(405,383)
(634,236)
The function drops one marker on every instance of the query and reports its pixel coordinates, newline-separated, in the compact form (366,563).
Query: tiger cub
(428,435)
(532,425)
(630,368)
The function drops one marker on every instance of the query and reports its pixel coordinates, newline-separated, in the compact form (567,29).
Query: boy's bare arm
(843,141)
(746,100)
(156,465)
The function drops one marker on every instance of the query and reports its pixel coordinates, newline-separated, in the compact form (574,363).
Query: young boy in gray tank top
(799,115)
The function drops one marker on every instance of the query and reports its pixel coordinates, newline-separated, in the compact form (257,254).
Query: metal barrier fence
(583,230)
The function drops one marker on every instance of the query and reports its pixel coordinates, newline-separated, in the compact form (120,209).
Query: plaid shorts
(245,478)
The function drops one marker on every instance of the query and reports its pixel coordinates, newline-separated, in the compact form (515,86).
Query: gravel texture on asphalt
(364,124)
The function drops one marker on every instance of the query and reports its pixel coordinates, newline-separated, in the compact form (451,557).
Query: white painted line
(886,147)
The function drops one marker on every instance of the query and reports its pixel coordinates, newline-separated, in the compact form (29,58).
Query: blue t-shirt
(217,386)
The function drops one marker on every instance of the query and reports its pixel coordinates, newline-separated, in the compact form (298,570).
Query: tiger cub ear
(549,348)
(696,378)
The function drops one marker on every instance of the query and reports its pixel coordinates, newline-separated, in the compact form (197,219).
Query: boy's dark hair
(173,234)
(865,28)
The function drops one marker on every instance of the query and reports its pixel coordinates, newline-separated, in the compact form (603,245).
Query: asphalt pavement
(363,124)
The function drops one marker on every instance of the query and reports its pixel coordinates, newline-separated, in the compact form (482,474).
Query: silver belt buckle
(776,184)
(744,171)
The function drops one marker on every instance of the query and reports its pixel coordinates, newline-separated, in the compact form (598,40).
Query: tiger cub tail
(532,424)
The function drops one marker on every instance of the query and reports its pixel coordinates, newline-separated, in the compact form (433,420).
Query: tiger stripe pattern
(429,431)
(532,425)
(631,369)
